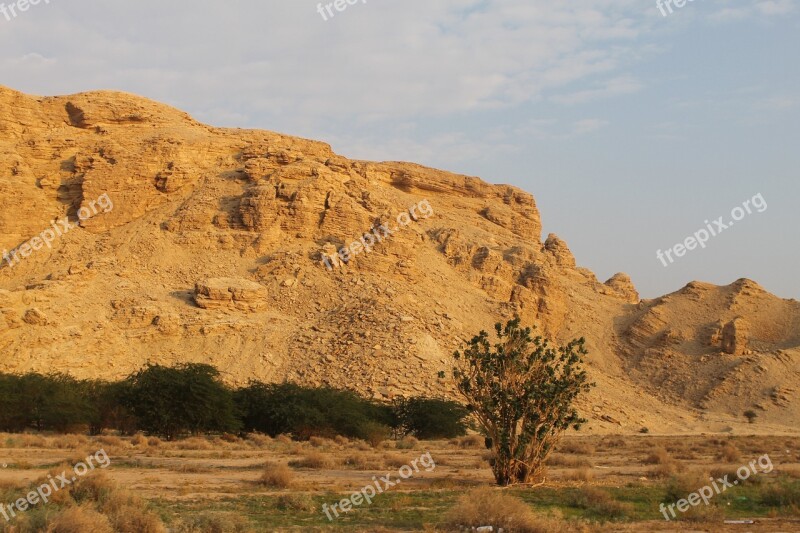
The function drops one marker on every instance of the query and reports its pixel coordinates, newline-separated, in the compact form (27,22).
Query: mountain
(141,235)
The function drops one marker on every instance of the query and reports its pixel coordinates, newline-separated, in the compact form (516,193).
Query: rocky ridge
(213,253)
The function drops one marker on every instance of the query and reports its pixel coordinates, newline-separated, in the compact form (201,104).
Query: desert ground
(594,483)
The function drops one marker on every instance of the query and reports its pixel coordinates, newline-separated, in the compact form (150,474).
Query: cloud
(614,87)
(767,8)
(375,61)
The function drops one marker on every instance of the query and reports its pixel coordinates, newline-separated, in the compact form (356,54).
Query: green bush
(430,418)
(185,398)
(307,412)
(191,399)
(54,402)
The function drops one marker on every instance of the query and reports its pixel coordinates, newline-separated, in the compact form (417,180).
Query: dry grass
(260,441)
(82,519)
(730,453)
(407,443)
(92,504)
(111,440)
(681,485)
(315,461)
(277,476)
(492,507)
(363,461)
(663,471)
(477,442)
(193,443)
(577,448)
(582,474)
(600,502)
(128,513)
(613,442)
(213,522)
(568,461)
(395,460)
(69,441)
(320,442)
(296,502)
(658,456)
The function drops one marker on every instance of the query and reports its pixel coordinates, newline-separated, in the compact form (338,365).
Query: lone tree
(522,392)
(750,415)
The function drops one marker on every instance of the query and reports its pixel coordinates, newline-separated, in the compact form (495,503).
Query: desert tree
(186,398)
(750,415)
(522,392)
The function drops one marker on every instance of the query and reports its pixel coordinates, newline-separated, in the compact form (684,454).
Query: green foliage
(108,398)
(430,418)
(522,392)
(782,493)
(191,399)
(54,402)
(305,412)
(185,398)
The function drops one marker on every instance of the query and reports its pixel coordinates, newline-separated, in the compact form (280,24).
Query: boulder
(235,293)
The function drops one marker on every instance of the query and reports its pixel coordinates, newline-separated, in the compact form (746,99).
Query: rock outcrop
(242,294)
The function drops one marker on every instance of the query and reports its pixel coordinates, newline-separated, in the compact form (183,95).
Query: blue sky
(630,128)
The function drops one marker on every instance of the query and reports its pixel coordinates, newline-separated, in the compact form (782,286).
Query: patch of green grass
(414,510)
(400,510)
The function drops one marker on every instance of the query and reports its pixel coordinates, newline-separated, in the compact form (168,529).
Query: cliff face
(193,243)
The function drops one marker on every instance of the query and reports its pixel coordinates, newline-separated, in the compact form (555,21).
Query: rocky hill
(139,234)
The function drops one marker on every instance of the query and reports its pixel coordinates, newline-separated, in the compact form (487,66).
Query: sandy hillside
(214,252)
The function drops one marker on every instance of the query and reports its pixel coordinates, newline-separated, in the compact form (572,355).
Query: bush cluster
(191,399)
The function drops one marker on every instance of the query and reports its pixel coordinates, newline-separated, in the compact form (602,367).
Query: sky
(631,125)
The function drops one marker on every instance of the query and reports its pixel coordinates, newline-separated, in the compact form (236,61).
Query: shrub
(568,461)
(80,520)
(295,502)
(600,503)
(680,486)
(522,391)
(658,456)
(185,398)
(277,475)
(54,402)
(578,448)
(315,460)
(213,522)
(407,443)
(730,453)
(664,470)
(306,412)
(488,507)
(477,442)
(582,474)
(783,493)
